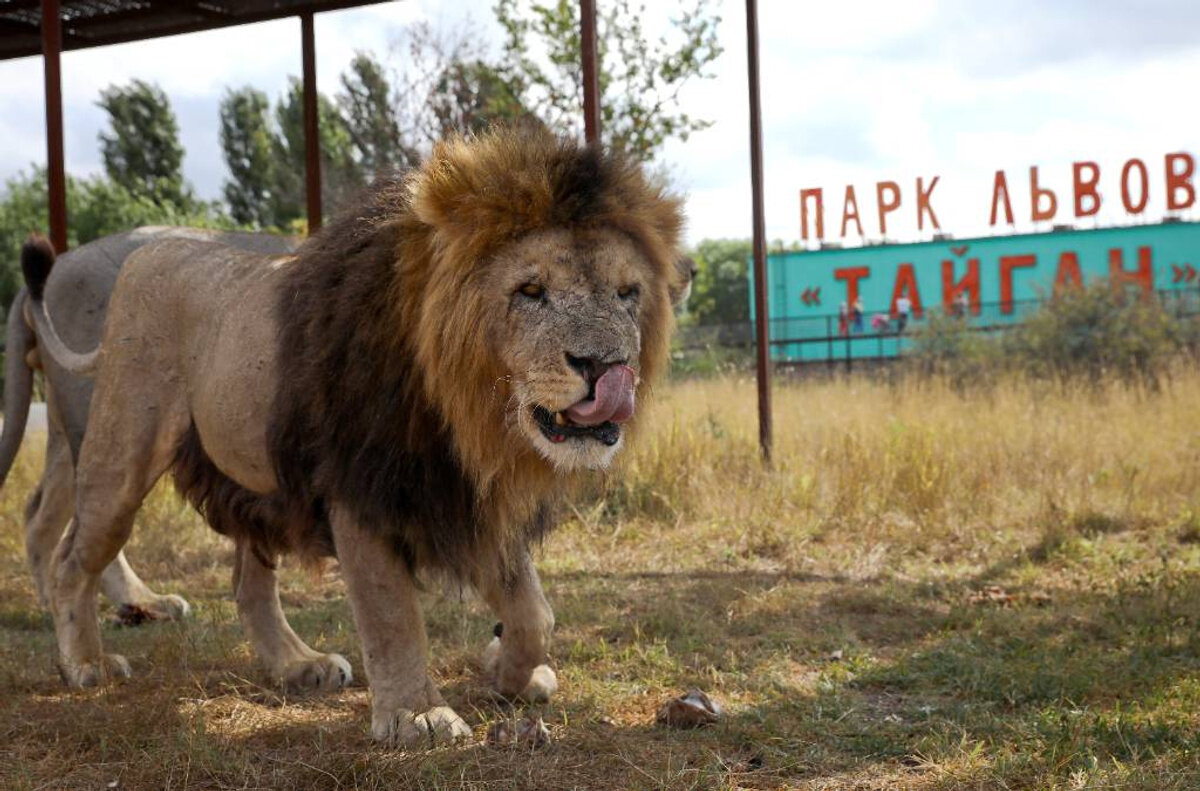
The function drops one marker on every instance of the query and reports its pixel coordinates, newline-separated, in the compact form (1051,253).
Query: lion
(411,392)
(79,288)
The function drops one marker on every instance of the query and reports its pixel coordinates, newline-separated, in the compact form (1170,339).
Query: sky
(853,93)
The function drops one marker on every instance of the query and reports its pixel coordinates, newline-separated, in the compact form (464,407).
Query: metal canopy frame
(50,27)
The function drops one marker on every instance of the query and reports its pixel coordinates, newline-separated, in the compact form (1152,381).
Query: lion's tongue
(613,401)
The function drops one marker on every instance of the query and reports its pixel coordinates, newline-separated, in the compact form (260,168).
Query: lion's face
(571,308)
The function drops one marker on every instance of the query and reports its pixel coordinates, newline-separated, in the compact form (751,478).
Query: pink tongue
(613,401)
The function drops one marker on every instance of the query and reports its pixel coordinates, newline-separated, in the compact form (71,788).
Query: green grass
(930,590)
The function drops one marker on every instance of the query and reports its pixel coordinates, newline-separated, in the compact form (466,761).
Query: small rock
(837,655)
(991,594)
(693,710)
(529,732)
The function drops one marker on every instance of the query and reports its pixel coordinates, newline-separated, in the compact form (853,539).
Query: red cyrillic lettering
(1130,206)
(886,207)
(969,283)
(1142,277)
(1007,264)
(850,212)
(1068,276)
(906,283)
(815,193)
(1180,180)
(852,274)
(923,205)
(1086,188)
(1000,188)
(1036,194)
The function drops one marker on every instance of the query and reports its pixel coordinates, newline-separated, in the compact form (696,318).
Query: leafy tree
(639,81)
(449,87)
(141,149)
(721,290)
(367,100)
(246,140)
(341,176)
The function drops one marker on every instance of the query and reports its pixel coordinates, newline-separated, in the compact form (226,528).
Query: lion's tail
(37,259)
(18,383)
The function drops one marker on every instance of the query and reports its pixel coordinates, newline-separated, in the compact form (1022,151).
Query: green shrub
(1088,334)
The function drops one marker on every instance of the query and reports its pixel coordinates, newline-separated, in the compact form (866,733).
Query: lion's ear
(438,185)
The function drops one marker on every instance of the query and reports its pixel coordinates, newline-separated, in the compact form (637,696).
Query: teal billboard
(990,281)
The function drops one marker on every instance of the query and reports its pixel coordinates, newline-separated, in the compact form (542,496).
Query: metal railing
(815,339)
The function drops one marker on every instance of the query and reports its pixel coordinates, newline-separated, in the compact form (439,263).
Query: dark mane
(351,422)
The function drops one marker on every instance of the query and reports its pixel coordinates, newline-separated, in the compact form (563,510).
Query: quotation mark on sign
(1183,274)
(811,296)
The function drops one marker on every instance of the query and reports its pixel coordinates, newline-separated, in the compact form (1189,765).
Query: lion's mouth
(608,404)
(557,427)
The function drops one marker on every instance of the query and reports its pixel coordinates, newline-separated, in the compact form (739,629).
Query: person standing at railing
(963,305)
(903,309)
(843,319)
(856,314)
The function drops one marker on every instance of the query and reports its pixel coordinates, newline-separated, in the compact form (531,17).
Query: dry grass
(930,590)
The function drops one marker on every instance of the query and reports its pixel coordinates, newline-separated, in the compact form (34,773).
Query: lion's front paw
(325,673)
(402,728)
(80,675)
(542,684)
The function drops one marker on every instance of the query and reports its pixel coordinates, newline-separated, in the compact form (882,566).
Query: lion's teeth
(559,420)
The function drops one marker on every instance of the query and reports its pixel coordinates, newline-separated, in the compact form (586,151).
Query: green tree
(639,81)
(341,176)
(367,101)
(448,87)
(246,140)
(141,148)
(721,290)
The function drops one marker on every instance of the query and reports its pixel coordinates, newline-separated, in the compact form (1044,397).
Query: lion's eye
(627,292)
(532,290)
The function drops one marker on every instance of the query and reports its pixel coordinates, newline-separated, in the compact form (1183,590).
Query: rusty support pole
(56,176)
(312,127)
(591,71)
(761,315)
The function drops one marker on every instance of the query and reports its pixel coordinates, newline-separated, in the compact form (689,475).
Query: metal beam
(312,129)
(761,332)
(56,176)
(591,71)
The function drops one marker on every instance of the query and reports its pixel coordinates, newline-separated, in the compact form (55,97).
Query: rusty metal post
(312,128)
(56,176)
(761,331)
(591,71)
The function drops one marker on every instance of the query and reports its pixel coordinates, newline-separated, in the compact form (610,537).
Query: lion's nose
(592,368)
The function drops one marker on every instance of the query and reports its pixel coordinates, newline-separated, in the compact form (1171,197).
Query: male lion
(77,291)
(411,391)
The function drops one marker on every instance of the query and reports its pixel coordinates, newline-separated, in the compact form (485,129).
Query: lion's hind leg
(515,660)
(123,455)
(285,654)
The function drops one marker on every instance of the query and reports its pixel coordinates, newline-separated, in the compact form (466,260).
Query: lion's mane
(389,402)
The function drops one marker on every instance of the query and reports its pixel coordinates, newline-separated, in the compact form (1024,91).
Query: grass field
(996,589)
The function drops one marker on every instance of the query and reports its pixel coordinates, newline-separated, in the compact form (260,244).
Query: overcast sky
(853,93)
